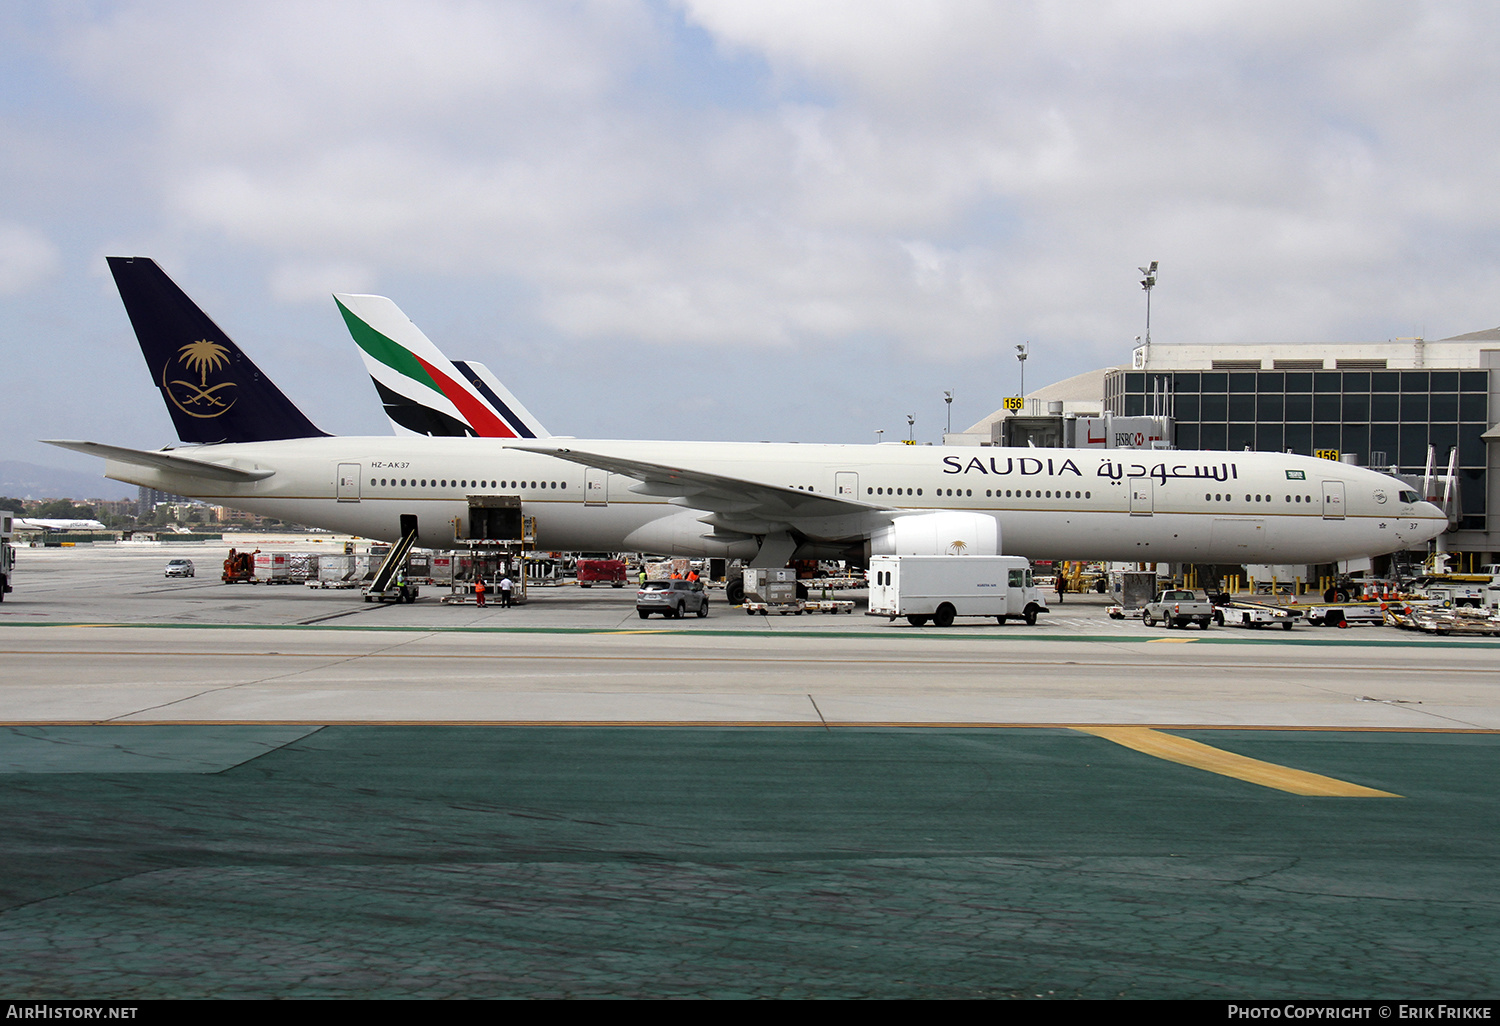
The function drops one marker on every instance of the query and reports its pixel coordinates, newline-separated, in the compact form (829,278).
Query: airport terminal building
(1414,407)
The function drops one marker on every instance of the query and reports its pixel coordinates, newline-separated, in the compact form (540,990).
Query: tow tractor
(239,567)
(1237,613)
(1352,614)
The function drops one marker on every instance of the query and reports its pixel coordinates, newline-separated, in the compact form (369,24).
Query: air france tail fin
(424,392)
(212,390)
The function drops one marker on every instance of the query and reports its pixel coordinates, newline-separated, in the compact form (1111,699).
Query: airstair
(380,585)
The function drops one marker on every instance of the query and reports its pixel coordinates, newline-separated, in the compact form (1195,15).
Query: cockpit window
(1407,495)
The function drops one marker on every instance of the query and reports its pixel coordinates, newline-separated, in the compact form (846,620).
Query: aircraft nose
(1434,522)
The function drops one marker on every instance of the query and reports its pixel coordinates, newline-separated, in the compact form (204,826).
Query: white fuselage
(1161,505)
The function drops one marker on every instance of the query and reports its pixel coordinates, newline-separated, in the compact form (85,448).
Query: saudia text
(1031,466)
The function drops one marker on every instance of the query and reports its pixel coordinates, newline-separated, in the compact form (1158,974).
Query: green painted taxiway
(550,861)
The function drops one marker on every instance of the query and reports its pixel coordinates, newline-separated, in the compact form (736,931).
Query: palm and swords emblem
(199,399)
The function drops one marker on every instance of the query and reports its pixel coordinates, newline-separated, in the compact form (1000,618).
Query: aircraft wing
(166,461)
(749,506)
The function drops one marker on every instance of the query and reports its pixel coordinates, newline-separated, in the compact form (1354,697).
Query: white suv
(672,599)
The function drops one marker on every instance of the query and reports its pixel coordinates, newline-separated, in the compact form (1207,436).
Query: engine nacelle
(685,534)
(940,533)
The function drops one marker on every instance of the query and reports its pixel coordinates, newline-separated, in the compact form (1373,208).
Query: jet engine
(940,533)
(685,534)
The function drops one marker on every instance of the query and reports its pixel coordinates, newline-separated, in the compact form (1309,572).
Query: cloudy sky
(726,219)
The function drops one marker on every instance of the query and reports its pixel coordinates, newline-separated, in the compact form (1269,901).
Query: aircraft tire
(944,616)
(734,593)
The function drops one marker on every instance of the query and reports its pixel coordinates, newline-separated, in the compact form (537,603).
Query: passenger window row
(445,483)
(989,493)
(1041,494)
(1216,497)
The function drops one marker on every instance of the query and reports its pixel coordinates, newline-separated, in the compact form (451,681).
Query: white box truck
(939,588)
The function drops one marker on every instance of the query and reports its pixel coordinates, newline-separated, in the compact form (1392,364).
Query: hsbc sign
(1120,432)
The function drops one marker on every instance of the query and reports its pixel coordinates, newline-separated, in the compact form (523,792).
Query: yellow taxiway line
(1216,760)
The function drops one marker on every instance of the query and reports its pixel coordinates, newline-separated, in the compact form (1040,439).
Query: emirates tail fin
(424,392)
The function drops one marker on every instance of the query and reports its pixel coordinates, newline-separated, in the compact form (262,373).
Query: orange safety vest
(479,586)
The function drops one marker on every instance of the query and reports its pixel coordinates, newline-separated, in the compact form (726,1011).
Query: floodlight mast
(1148,283)
(1022,351)
(948,398)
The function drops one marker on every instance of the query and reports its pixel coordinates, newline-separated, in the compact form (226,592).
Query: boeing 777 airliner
(252,449)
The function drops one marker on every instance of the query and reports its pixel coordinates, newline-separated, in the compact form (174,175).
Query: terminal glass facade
(1385,417)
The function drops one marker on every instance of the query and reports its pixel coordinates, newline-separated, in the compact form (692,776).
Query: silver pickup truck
(1177,608)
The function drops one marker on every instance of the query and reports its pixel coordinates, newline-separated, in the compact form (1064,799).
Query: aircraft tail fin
(212,390)
(423,391)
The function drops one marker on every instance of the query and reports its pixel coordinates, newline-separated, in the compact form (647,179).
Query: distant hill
(30,481)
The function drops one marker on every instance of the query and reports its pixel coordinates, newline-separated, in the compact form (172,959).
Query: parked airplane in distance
(57,524)
(425,393)
(763,502)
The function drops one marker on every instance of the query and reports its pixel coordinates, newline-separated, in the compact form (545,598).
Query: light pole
(948,398)
(1022,351)
(1148,283)
(879,434)
(911,423)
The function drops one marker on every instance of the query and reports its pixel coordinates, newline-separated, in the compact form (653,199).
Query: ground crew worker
(505,588)
(643,577)
(479,590)
(692,575)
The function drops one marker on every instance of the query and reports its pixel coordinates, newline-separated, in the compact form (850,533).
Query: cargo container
(601,571)
(771,587)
